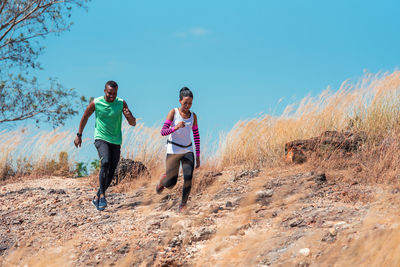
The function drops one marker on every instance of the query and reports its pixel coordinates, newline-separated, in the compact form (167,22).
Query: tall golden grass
(29,151)
(371,105)
(144,144)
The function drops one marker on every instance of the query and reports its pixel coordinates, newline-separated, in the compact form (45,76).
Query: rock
(395,190)
(296,222)
(228,204)
(57,191)
(202,234)
(246,173)
(128,168)
(326,144)
(264,193)
(217,209)
(124,249)
(176,241)
(303,264)
(19,221)
(332,232)
(330,236)
(263,196)
(212,174)
(295,155)
(320,178)
(305,252)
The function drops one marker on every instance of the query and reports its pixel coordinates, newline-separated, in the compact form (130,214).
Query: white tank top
(181,136)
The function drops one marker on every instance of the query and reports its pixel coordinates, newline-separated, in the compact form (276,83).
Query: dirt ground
(290,217)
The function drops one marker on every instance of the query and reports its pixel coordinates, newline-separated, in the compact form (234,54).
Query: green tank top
(108,120)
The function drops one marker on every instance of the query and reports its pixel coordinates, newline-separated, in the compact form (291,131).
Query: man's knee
(105,163)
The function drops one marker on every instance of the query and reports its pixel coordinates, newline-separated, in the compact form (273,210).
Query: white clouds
(196,31)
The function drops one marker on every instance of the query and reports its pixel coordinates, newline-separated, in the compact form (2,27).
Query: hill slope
(290,217)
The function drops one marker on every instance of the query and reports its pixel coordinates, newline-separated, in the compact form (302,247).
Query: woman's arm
(166,130)
(196,137)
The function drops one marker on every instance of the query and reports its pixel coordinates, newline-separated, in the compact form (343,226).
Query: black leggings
(172,165)
(109,157)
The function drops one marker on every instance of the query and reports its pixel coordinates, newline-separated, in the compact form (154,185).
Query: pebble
(304,251)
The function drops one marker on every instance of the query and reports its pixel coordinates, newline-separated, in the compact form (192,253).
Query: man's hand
(78,141)
(126,112)
(197,163)
(128,115)
(179,125)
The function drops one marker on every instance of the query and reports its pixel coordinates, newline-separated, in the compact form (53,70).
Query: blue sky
(239,57)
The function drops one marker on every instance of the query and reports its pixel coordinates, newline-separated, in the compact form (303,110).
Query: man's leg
(187,166)
(104,154)
(115,152)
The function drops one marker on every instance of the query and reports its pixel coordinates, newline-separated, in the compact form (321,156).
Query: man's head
(110,91)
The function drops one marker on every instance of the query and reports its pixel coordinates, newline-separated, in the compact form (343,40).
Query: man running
(107,135)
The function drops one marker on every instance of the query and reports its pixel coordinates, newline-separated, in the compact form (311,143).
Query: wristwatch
(78,134)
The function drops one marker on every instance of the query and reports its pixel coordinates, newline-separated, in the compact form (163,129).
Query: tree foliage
(23,24)
(23,99)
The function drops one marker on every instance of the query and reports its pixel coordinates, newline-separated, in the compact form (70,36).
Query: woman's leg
(187,166)
(172,170)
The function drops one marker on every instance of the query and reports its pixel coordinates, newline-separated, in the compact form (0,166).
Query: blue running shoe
(102,203)
(95,203)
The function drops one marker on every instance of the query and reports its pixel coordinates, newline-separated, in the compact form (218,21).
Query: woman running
(180,122)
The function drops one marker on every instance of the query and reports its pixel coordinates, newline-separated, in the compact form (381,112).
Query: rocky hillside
(291,217)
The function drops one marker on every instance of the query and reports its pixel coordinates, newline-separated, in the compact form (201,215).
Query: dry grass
(371,105)
(28,151)
(34,152)
(143,144)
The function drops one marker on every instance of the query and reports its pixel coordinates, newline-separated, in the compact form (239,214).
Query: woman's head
(185,98)
(185,92)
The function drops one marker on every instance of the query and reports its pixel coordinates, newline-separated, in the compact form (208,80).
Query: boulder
(330,141)
(128,168)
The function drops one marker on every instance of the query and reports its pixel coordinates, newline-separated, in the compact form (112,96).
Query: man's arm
(128,115)
(88,112)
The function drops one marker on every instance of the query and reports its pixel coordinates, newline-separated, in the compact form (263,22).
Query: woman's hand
(197,163)
(179,125)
